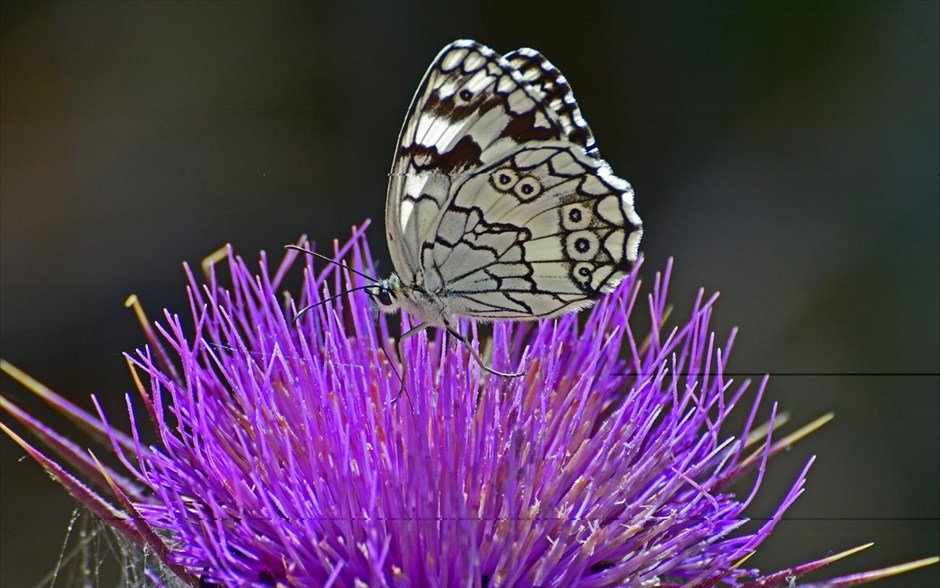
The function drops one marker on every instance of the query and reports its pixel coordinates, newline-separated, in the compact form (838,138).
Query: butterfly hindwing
(498,201)
(537,234)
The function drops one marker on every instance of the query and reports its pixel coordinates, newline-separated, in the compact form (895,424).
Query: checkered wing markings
(536,234)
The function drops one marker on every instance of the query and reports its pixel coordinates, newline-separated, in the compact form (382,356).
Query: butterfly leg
(476,356)
(401,355)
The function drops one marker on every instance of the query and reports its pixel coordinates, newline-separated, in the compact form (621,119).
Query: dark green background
(785,154)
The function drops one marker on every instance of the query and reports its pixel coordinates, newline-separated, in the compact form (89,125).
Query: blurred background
(785,154)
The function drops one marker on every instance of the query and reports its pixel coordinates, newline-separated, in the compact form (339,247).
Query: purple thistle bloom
(281,458)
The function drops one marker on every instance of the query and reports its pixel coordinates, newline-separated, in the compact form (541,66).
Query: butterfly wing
(498,201)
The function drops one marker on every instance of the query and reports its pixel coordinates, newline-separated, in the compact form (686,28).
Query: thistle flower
(282,457)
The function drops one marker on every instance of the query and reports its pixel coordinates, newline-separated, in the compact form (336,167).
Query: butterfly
(499,206)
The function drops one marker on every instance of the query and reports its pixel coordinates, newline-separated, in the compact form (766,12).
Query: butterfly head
(385,293)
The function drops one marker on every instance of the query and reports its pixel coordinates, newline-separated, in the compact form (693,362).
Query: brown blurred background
(785,154)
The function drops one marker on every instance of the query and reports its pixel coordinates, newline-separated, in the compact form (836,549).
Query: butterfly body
(391,294)
(499,206)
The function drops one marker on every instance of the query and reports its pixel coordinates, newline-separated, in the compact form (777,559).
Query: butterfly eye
(382,297)
(528,188)
(504,179)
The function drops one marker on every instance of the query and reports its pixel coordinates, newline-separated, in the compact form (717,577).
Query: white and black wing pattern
(499,204)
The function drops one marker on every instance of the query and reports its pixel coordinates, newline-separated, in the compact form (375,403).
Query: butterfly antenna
(330,260)
(303,310)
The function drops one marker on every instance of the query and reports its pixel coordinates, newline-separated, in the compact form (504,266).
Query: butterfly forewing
(550,88)
(498,202)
